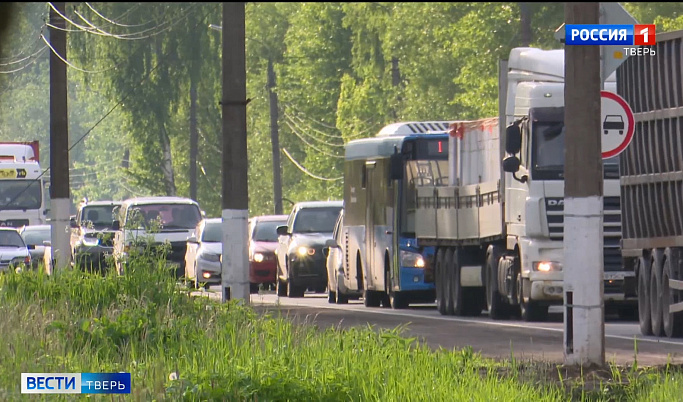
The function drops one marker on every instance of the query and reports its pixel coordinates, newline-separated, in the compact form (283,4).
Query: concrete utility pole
(194,140)
(275,140)
(60,199)
(584,331)
(235,260)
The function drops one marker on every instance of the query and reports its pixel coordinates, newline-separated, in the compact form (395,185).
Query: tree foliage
(343,71)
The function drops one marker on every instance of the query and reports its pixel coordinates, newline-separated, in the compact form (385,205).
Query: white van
(159,221)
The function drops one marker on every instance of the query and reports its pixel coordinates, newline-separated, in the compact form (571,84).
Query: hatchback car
(13,251)
(300,259)
(35,237)
(262,245)
(203,253)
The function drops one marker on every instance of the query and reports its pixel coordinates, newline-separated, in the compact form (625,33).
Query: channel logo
(623,35)
(75,383)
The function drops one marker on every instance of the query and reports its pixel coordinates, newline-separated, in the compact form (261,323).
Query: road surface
(496,339)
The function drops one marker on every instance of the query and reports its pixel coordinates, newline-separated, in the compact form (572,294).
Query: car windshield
(11,238)
(164,216)
(36,237)
(98,216)
(267,230)
(213,232)
(316,220)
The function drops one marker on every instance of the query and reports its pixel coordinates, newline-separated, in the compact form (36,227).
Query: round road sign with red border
(616,124)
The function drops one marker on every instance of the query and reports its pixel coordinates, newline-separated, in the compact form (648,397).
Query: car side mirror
(282,231)
(192,239)
(116,225)
(46,212)
(396,166)
(513,139)
(331,243)
(47,243)
(511,164)
(72,223)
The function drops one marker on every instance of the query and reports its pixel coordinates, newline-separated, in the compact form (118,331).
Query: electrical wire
(310,145)
(71,65)
(26,66)
(303,169)
(303,130)
(114,22)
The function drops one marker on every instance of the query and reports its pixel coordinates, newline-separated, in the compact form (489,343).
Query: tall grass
(180,347)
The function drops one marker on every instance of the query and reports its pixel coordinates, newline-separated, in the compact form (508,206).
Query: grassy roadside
(179,347)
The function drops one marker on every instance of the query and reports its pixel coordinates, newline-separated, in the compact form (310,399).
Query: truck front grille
(611,228)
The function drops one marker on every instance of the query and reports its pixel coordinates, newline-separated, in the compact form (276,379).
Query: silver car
(34,236)
(13,251)
(203,253)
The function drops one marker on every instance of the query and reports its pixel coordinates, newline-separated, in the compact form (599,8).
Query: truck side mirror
(116,225)
(72,223)
(511,164)
(396,166)
(513,139)
(282,231)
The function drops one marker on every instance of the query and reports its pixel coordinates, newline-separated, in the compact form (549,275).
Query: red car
(262,244)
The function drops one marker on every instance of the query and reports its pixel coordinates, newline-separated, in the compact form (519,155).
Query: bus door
(369,223)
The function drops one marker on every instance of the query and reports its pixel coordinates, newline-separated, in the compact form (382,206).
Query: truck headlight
(547,266)
(209,257)
(90,241)
(20,261)
(303,251)
(411,260)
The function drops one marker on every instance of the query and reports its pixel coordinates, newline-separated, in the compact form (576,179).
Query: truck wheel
(530,310)
(644,296)
(372,298)
(440,283)
(497,308)
(341,297)
(397,300)
(281,288)
(672,323)
(655,295)
(453,295)
(331,296)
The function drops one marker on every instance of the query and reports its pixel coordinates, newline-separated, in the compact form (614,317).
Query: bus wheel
(643,269)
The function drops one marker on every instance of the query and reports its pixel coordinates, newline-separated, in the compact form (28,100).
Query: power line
(114,22)
(309,144)
(303,169)
(310,136)
(24,67)
(71,65)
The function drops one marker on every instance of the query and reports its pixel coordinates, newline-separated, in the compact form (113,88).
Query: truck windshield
(548,153)
(164,216)
(419,173)
(20,194)
(98,216)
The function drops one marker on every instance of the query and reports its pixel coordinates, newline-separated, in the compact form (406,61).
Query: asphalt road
(496,339)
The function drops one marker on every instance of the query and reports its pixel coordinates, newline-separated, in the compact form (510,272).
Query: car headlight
(412,260)
(303,251)
(547,266)
(209,257)
(19,261)
(90,241)
(258,257)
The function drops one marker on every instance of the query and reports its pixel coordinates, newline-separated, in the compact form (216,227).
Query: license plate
(615,276)
(8,173)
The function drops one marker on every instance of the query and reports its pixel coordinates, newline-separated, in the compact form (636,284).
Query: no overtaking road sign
(616,124)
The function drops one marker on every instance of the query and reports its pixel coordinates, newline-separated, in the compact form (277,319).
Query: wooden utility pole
(60,198)
(235,261)
(584,332)
(275,139)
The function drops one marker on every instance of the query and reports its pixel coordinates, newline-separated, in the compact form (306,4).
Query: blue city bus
(381,258)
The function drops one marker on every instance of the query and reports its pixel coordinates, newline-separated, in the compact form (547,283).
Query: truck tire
(655,294)
(643,292)
(439,279)
(397,300)
(496,306)
(672,323)
(453,296)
